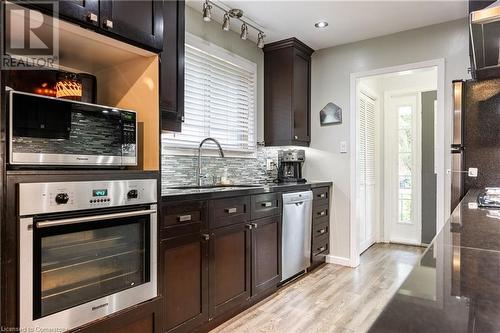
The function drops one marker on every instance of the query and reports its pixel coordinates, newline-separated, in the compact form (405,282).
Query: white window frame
(225,55)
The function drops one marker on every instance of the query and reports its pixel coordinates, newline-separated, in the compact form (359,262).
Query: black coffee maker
(290,165)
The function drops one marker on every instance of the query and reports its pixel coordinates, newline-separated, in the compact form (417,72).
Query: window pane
(405,116)
(405,211)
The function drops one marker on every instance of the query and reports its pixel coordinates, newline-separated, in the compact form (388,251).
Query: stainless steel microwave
(47,131)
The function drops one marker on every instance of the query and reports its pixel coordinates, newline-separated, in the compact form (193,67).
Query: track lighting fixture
(244,31)
(226,23)
(207,15)
(260,40)
(235,14)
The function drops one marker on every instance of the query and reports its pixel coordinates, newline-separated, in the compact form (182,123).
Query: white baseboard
(338,260)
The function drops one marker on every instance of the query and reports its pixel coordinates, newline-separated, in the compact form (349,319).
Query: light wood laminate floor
(332,298)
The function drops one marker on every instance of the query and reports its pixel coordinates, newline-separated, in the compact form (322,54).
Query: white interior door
(403,174)
(366,209)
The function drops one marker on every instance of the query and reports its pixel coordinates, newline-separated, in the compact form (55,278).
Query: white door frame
(439,151)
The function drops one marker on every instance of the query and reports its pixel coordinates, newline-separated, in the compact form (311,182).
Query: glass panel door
(405,156)
(78,263)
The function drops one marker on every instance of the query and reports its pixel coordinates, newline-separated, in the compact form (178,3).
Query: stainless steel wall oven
(87,249)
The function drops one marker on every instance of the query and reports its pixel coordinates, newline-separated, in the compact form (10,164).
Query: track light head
(207,14)
(226,22)
(260,40)
(244,31)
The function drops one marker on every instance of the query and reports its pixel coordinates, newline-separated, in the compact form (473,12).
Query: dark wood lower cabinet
(229,268)
(266,254)
(185,282)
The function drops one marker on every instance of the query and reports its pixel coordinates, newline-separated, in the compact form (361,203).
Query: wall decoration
(330,114)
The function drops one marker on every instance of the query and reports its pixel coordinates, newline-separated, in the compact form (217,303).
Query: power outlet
(270,164)
(472,172)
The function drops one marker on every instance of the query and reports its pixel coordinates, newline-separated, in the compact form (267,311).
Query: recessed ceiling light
(321,24)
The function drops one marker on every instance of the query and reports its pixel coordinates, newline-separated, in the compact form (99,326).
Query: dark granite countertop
(223,192)
(455,286)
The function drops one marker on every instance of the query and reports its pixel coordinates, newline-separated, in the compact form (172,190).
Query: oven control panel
(39,198)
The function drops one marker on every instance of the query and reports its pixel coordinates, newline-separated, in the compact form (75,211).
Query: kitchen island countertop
(455,286)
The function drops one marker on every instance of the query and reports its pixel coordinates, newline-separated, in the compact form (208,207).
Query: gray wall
(231,41)
(331,70)
(428,175)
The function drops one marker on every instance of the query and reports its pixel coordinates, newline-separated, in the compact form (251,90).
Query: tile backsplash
(180,170)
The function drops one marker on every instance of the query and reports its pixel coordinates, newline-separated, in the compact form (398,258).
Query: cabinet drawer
(320,229)
(320,196)
(229,211)
(264,205)
(320,213)
(320,245)
(182,218)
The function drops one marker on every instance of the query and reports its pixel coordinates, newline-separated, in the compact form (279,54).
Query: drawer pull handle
(322,213)
(231,210)
(184,218)
(205,237)
(249,226)
(321,249)
(322,231)
(267,204)
(108,24)
(322,195)
(254,225)
(92,17)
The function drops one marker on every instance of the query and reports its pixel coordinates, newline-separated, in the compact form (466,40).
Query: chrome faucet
(221,153)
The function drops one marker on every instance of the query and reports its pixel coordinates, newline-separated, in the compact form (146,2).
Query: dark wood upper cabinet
(266,254)
(172,66)
(229,268)
(140,22)
(287,93)
(185,282)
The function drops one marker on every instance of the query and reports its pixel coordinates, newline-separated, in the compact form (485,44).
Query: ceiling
(349,21)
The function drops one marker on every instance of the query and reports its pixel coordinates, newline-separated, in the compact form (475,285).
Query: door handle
(267,204)
(231,210)
(322,213)
(322,231)
(322,195)
(254,225)
(205,237)
(249,226)
(86,219)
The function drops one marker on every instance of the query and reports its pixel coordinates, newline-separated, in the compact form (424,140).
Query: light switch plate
(343,147)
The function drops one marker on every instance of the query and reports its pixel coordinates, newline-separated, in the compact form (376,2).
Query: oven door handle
(85,219)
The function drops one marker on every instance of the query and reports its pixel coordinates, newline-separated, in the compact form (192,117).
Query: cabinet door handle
(184,218)
(254,225)
(108,24)
(249,226)
(231,210)
(267,204)
(322,231)
(205,237)
(321,249)
(296,137)
(322,213)
(91,17)
(322,195)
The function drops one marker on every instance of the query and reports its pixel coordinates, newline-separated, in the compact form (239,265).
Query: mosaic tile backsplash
(179,170)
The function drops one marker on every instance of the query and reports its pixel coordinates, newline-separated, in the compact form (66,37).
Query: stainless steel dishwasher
(296,233)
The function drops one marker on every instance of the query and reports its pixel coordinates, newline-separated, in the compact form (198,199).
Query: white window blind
(220,92)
